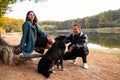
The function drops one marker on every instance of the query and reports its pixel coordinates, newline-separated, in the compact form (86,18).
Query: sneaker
(85,65)
(74,61)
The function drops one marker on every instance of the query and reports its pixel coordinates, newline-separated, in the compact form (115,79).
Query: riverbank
(104,50)
(103,30)
(102,66)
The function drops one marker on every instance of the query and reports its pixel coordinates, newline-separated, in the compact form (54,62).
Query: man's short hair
(76,24)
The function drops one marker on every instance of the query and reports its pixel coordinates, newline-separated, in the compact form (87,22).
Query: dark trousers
(40,43)
(82,52)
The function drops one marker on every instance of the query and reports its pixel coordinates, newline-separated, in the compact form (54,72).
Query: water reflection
(111,40)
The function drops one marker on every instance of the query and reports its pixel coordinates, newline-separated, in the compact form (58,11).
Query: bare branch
(21,58)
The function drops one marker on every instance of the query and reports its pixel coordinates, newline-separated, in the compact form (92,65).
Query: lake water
(110,40)
(98,40)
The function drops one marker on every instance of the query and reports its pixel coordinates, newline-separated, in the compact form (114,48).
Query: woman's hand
(50,40)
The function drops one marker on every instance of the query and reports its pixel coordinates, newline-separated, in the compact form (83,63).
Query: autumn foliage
(10,24)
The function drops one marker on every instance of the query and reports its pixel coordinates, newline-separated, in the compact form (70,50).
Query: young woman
(33,37)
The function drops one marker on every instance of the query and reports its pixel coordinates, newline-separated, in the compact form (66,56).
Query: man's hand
(77,46)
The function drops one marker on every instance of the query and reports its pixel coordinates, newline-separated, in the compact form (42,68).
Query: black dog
(53,56)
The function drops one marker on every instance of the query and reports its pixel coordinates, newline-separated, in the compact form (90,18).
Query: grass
(96,51)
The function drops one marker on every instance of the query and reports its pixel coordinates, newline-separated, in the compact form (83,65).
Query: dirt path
(101,67)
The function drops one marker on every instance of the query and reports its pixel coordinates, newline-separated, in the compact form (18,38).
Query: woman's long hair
(27,19)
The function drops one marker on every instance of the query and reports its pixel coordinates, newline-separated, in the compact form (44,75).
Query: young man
(78,46)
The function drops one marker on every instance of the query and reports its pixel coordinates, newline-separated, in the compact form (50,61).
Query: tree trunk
(9,56)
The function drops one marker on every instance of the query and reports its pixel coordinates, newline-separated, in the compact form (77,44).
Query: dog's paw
(54,72)
(63,69)
(50,71)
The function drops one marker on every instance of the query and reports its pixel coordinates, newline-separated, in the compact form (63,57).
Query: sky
(60,10)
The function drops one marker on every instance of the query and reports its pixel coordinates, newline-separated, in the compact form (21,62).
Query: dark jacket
(79,41)
(27,43)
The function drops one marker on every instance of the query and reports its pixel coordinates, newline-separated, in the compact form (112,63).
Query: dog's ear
(60,38)
(57,38)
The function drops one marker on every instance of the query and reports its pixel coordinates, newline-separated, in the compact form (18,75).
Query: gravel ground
(101,67)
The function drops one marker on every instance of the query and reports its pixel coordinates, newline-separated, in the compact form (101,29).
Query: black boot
(41,51)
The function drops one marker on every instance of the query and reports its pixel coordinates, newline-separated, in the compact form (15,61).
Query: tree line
(10,24)
(109,18)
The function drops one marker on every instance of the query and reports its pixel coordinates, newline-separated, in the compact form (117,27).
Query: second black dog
(53,56)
